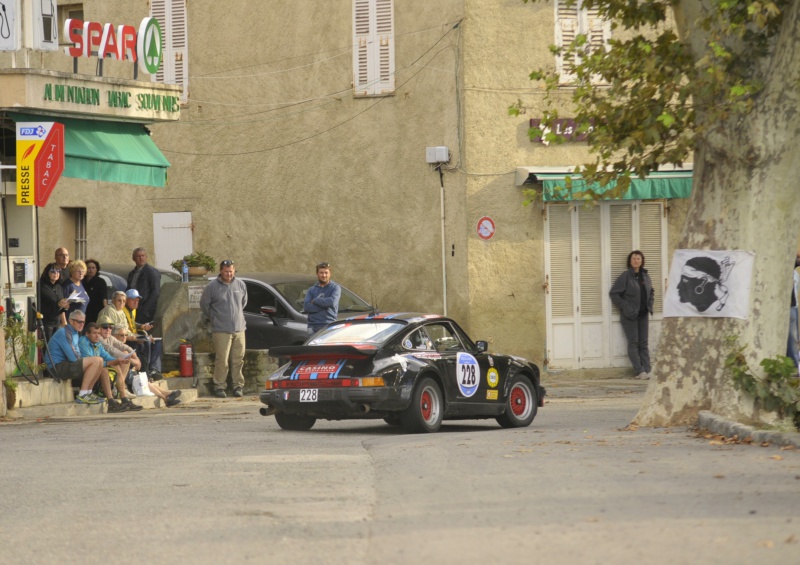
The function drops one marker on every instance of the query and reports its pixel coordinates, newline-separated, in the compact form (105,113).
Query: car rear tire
(521,404)
(294,422)
(427,408)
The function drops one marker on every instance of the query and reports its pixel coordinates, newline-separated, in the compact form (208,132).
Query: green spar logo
(149,47)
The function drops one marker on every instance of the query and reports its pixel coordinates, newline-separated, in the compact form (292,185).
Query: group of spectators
(87,336)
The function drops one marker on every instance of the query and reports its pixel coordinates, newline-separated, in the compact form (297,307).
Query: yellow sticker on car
(492,378)
(491,395)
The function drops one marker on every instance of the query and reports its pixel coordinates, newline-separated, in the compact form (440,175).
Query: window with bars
(373,47)
(573,20)
(171,16)
(73,229)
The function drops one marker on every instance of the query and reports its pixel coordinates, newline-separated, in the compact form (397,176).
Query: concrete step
(71,408)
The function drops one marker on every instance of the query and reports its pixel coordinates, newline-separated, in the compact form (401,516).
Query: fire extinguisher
(185,355)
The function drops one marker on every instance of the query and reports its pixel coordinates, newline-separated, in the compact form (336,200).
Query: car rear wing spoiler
(299,352)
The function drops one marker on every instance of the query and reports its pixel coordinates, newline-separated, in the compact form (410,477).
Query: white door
(586,250)
(172,236)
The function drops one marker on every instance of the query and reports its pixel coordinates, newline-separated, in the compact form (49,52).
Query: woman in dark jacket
(53,302)
(96,288)
(633,294)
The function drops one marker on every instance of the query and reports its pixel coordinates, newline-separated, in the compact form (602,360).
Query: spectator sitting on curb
(66,362)
(90,346)
(120,350)
(148,346)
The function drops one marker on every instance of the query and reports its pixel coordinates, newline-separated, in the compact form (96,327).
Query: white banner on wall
(711,284)
(9,38)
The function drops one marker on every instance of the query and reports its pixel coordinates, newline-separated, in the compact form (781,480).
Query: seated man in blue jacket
(90,346)
(67,363)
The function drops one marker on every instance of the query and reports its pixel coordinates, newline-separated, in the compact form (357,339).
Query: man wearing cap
(322,300)
(67,363)
(223,301)
(147,281)
(119,350)
(147,346)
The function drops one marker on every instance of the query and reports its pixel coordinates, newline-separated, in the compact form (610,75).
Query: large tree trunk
(746,196)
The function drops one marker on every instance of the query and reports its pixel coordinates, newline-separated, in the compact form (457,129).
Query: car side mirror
(270,311)
(483,346)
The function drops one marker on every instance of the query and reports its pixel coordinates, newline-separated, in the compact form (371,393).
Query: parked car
(274,312)
(116,275)
(413,370)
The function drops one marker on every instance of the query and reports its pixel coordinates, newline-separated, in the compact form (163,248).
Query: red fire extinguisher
(185,355)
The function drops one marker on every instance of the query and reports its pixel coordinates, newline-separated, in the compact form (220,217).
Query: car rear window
(374,333)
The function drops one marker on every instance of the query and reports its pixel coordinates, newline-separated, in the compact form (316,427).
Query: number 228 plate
(309,394)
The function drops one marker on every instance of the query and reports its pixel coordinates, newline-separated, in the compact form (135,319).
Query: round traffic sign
(486,228)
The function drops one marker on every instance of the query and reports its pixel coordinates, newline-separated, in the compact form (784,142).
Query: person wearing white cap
(148,347)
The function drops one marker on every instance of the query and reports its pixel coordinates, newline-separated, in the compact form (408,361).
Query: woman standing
(53,302)
(74,288)
(96,288)
(633,294)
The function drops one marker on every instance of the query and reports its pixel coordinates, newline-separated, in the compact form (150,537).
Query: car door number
(309,394)
(468,375)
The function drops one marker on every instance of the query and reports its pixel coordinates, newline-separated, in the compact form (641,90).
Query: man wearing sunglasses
(223,301)
(322,300)
(65,361)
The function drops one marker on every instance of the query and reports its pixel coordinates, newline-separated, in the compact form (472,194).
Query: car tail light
(325,383)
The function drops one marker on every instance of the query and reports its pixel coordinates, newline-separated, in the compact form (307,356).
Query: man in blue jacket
(67,363)
(90,346)
(322,300)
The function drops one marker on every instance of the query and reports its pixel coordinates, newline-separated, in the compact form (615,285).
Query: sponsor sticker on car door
(468,374)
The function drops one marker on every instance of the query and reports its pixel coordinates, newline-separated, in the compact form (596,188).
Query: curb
(719,425)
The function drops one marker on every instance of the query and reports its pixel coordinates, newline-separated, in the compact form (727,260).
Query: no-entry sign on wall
(486,228)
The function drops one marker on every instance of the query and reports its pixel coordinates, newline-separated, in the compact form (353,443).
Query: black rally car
(410,369)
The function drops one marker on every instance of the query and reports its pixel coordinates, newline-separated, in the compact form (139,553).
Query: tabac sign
(40,161)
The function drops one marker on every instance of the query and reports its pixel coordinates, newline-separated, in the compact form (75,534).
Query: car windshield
(295,293)
(373,333)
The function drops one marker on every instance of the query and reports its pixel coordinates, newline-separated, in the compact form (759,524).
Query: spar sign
(40,161)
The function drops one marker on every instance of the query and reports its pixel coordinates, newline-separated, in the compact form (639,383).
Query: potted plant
(199,262)
(11,392)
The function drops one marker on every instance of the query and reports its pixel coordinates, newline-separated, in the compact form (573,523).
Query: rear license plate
(309,395)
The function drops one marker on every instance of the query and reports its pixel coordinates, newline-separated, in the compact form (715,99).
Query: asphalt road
(214,482)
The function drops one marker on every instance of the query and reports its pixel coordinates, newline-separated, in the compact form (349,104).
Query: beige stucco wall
(282,167)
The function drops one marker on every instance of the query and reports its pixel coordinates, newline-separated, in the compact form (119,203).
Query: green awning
(108,151)
(668,184)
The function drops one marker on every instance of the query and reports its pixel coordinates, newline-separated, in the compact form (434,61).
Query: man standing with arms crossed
(147,281)
(223,301)
(322,300)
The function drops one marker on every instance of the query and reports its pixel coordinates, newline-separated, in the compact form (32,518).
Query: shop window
(171,16)
(573,20)
(68,12)
(373,47)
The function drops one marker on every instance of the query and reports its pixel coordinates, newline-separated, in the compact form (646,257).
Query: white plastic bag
(140,386)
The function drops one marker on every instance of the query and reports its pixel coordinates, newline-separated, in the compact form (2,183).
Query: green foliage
(21,347)
(196,259)
(778,390)
(653,96)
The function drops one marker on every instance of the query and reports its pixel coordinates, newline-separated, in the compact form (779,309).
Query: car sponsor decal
(491,395)
(321,369)
(468,374)
(492,378)
(491,361)
(422,355)
(407,344)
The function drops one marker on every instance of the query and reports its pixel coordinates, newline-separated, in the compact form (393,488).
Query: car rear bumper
(340,402)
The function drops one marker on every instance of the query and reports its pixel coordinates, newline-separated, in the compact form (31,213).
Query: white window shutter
(179,43)
(373,47)
(171,16)
(621,238)
(561,261)
(591,255)
(567,27)
(158,10)
(651,218)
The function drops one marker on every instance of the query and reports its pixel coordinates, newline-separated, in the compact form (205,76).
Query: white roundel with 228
(468,374)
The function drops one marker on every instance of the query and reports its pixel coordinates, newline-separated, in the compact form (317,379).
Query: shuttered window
(561,260)
(373,47)
(591,255)
(575,20)
(171,16)
(650,243)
